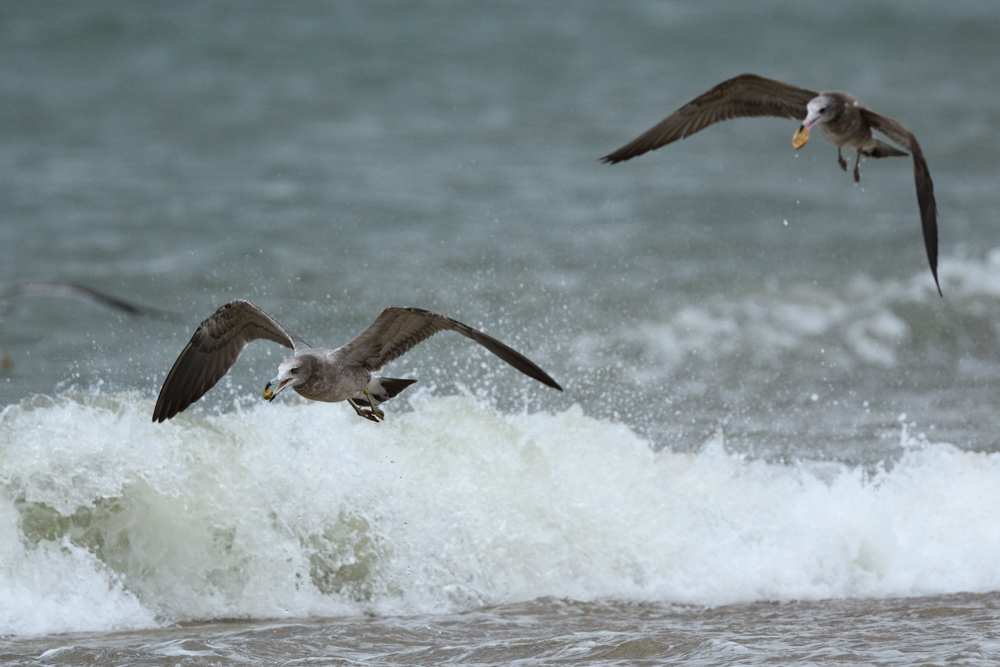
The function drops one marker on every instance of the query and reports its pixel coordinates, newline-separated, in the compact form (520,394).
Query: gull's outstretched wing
(74,290)
(922,176)
(399,329)
(213,350)
(742,96)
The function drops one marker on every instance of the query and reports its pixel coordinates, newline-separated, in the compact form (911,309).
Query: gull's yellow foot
(373,411)
(357,409)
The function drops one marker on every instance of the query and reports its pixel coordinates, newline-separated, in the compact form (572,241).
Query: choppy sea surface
(777,443)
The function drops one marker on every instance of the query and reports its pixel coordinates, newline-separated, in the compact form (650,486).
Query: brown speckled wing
(213,350)
(743,96)
(397,330)
(921,175)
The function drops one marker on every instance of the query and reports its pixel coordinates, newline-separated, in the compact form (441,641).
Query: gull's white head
(821,109)
(291,373)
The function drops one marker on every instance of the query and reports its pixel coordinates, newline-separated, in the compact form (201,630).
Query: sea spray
(299,509)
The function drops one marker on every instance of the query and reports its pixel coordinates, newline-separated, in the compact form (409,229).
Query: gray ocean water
(776,443)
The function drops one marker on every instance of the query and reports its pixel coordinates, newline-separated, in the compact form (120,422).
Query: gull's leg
(840,160)
(857,174)
(371,401)
(362,413)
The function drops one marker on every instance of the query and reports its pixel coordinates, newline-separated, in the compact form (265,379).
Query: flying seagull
(74,290)
(343,374)
(843,119)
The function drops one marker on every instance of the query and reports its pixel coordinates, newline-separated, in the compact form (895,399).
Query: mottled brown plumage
(744,96)
(343,374)
(844,121)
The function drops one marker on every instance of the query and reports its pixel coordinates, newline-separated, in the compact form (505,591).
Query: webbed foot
(373,413)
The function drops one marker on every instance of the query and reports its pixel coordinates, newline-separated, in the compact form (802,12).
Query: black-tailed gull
(844,120)
(343,374)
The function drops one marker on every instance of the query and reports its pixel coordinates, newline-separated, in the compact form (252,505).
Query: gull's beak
(268,394)
(801,137)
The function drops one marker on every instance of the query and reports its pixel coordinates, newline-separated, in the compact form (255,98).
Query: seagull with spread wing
(63,288)
(68,289)
(343,374)
(842,119)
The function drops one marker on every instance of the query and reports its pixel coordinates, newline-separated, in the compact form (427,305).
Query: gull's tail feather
(882,149)
(382,389)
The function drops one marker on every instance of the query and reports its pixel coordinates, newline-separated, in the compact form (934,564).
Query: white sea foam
(108,521)
(866,323)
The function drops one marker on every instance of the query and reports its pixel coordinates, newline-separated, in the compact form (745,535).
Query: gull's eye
(294,371)
(823,110)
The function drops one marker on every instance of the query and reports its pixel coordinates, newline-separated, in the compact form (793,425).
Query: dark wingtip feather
(510,355)
(928,212)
